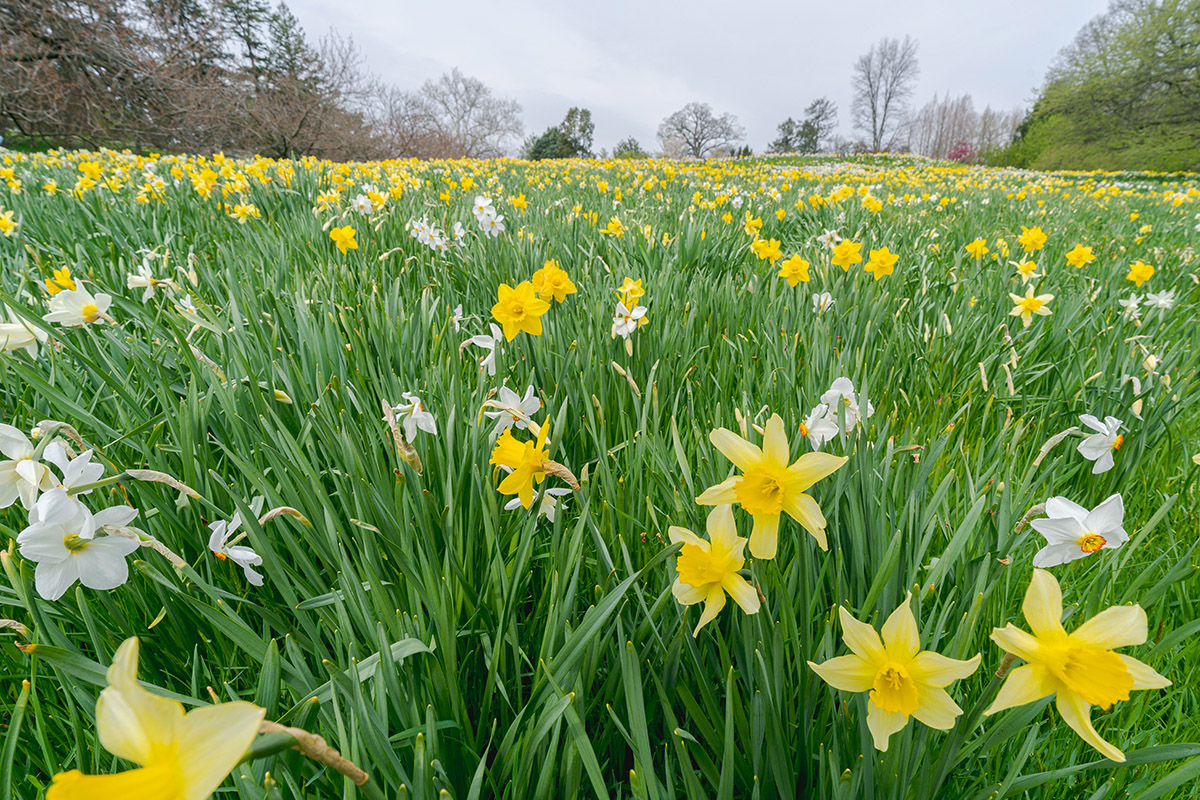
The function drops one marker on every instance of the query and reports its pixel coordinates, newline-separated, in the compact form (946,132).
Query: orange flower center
(1091,542)
(1118,441)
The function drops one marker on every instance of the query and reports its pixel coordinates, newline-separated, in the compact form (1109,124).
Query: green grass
(452,648)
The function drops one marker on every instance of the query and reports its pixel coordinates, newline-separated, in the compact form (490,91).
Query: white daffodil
(822,301)
(363,205)
(1132,306)
(458,234)
(413,415)
(222,543)
(144,279)
(78,471)
(62,540)
(78,307)
(842,400)
(829,239)
(1099,447)
(548,505)
(17,334)
(625,321)
(488,343)
(483,207)
(1164,300)
(21,476)
(513,410)
(492,225)
(456,318)
(819,427)
(1072,532)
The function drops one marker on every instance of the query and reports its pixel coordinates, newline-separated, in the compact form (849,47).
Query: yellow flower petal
(687,594)
(743,454)
(712,606)
(812,467)
(764,539)
(1076,713)
(804,509)
(1016,641)
(883,724)
(1144,677)
(1119,626)
(935,669)
(160,782)
(1024,685)
(935,708)
(679,535)
(722,531)
(1043,605)
(775,442)
(133,723)
(742,592)
(848,673)
(211,741)
(901,638)
(723,492)
(861,638)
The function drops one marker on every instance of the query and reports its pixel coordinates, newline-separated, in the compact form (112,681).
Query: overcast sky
(632,62)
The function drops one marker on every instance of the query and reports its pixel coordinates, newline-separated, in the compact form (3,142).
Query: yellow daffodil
(795,270)
(1139,272)
(1032,238)
(519,309)
(977,249)
(8,225)
(846,253)
(1025,307)
(1080,667)
(344,238)
(182,756)
(882,262)
(768,486)
(1028,271)
(527,460)
(552,281)
(904,681)
(62,281)
(767,249)
(1080,256)
(752,225)
(630,291)
(709,570)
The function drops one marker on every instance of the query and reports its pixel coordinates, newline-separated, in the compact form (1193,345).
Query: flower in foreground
(1080,256)
(819,427)
(17,334)
(344,238)
(527,460)
(21,476)
(843,403)
(768,486)
(1139,273)
(61,539)
(846,253)
(77,307)
(707,570)
(1079,667)
(519,309)
(1025,307)
(552,281)
(626,321)
(182,756)
(1100,446)
(881,262)
(794,270)
(1072,532)
(903,680)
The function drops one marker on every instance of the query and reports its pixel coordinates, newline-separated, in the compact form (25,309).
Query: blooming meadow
(755,478)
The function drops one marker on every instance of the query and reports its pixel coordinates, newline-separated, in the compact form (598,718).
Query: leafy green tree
(1124,95)
(575,134)
(629,148)
(548,145)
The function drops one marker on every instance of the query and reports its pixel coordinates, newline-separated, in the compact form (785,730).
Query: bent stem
(276,739)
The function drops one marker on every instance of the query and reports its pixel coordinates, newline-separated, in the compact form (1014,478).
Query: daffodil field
(868,478)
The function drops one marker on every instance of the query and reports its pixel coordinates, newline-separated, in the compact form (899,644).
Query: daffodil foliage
(824,477)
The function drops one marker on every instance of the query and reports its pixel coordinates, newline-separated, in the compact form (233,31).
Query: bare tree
(456,116)
(950,125)
(884,79)
(698,132)
(822,116)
